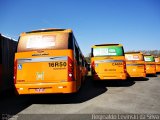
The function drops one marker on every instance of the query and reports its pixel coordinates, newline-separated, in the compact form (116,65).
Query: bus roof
(156,56)
(107,45)
(148,55)
(138,52)
(8,37)
(52,38)
(49,30)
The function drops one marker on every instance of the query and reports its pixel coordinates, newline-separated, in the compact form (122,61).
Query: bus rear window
(149,58)
(157,59)
(108,51)
(33,42)
(134,56)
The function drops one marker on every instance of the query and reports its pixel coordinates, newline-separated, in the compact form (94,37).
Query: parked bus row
(51,61)
(109,62)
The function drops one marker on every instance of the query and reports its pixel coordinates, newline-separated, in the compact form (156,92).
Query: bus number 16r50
(57,64)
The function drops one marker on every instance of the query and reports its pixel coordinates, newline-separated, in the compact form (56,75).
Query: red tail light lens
(93,67)
(155,67)
(144,67)
(124,66)
(15,71)
(70,70)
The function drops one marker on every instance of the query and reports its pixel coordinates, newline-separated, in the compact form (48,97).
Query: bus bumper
(121,76)
(137,74)
(46,88)
(151,72)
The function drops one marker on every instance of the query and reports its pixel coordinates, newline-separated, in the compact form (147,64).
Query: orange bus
(108,62)
(150,64)
(157,61)
(135,64)
(48,61)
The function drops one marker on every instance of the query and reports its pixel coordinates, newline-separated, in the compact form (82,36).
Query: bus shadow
(158,73)
(151,75)
(11,104)
(138,79)
(114,83)
(87,92)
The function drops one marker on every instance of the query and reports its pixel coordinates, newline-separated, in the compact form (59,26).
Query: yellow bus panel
(135,64)
(108,62)
(48,61)
(150,64)
(157,61)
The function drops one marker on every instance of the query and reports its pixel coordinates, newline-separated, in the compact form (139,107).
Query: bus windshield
(157,59)
(149,59)
(134,57)
(40,41)
(108,51)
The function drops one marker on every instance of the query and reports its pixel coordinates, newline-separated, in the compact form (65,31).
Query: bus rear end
(150,64)
(135,64)
(44,65)
(157,61)
(108,62)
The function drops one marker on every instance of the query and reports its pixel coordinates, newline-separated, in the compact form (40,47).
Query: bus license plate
(39,90)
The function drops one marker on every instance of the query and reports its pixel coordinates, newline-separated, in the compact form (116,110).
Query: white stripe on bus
(42,59)
(102,61)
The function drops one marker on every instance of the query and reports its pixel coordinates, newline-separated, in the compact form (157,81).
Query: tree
(88,58)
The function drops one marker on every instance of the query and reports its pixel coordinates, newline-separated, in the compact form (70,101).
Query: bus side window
(83,63)
(80,60)
(77,55)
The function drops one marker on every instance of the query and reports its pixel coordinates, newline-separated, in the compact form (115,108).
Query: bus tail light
(93,67)
(155,67)
(15,71)
(70,70)
(124,67)
(144,67)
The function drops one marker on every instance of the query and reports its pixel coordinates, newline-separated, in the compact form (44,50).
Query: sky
(133,23)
